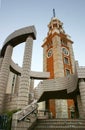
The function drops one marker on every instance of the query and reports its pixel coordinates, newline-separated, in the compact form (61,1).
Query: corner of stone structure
(35,32)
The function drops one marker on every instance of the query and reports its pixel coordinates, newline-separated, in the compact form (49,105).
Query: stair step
(60,124)
(59,129)
(63,126)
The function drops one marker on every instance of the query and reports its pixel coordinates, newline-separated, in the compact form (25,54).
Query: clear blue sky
(15,14)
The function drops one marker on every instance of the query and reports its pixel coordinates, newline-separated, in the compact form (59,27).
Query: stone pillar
(80,107)
(17,84)
(31,90)
(31,85)
(82,94)
(23,95)
(4,74)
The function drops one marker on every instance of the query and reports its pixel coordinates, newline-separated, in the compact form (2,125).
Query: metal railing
(28,114)
(25,118)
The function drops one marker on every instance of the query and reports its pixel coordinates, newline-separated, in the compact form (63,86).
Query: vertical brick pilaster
(4,74)
(24,87)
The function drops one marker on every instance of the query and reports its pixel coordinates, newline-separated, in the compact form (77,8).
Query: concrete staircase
(60,124)
(66,84)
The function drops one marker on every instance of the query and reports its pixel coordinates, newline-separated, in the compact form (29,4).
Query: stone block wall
(10,102)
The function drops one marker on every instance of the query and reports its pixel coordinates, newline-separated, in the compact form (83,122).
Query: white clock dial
(65,51)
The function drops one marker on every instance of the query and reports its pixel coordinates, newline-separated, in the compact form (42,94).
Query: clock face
(65,51)
(49,53)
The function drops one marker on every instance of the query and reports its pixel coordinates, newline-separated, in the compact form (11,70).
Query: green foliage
(10,113)
(7,119)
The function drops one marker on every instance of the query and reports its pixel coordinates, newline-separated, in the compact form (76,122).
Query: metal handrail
(33,107)
(27,114)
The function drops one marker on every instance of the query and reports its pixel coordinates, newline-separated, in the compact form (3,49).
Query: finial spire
(53,13)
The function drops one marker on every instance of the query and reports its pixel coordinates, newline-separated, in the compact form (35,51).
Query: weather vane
(53,12)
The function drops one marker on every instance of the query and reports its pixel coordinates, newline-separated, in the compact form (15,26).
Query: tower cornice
(51,35)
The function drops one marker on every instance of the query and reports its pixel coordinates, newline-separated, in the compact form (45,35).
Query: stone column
(80,107)
(31,85)
(23,95)
(31,90)
(17,84)
(4,74)
(82,94)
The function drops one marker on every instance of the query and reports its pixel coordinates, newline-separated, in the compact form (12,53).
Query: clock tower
(58,56)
